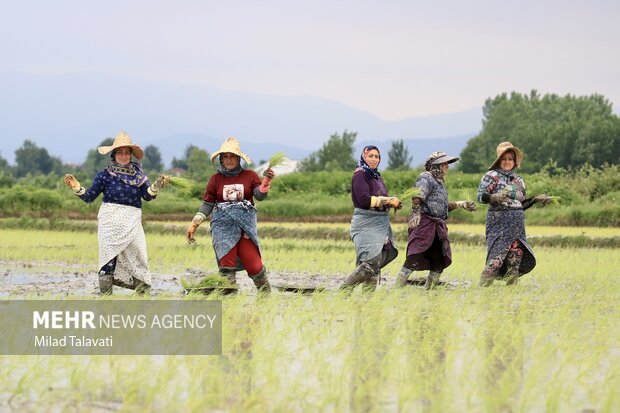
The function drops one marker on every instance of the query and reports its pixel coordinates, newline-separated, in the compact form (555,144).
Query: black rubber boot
(106,281)
(402,277)
(370,283)
(432,279)
(513,264)
(230,274)
(140,287)
(486,279)
(363,272)
(262,282)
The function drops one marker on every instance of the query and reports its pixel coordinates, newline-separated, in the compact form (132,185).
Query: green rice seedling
(277,159)
(548,343)
(182,184)
(409,193)
(209,284)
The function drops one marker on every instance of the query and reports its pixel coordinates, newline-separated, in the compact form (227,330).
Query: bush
(588,197)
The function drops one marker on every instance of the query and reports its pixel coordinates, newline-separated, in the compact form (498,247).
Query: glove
(414,217)
(498,198)
(190,233)
(543,199)
(161,181)
(395,203)
(268,175)
(466,205)
(381,201)
(73,183)
(196,221)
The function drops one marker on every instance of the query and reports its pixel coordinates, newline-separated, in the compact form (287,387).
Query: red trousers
(248,253)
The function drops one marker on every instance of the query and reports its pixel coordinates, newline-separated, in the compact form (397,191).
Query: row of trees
(33,160)
(337,154)
(568,131)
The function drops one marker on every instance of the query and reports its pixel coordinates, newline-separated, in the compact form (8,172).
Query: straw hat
(122,139)
(502,148)
(231,145)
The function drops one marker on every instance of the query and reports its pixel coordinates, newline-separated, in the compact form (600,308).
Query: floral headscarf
(372,173)
(435,169)
(131,174)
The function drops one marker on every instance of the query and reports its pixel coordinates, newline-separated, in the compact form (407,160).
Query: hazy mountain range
(70,114)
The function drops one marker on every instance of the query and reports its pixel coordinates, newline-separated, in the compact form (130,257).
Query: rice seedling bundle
(277,159)
(409,193)
(182,184)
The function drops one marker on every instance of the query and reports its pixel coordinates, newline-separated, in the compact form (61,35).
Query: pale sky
(394,59)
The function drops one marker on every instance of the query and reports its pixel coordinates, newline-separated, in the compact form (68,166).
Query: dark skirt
(504,227)
(429,244)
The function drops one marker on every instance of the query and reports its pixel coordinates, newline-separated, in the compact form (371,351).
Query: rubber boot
(432,279)
(119,283)
(359,275)
(262,282)
(230,274)
(106,281)
(512,276)
(370,283)
(486,279)
(513,262)
(401,278)
(140,287)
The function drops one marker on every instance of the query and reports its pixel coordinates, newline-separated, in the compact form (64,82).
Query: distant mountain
(70,114)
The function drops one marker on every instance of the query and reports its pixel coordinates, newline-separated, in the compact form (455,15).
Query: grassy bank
(588,198)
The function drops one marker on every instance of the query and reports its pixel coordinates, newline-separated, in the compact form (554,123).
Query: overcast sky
(394,59)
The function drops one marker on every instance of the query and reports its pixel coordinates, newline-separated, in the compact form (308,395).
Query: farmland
(548,344)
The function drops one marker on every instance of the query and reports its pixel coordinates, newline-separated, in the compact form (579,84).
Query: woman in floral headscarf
(428,246)
(122,245)
(370,225)
(509,256)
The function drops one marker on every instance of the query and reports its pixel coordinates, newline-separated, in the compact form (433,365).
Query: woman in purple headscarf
(370,225)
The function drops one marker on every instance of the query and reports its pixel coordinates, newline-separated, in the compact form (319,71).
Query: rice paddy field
(549,344)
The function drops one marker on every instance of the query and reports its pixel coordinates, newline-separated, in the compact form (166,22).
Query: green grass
(588,198)
(548,344)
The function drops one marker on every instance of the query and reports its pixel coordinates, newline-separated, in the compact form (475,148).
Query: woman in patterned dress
(428,247)
(229,197)
(370,225)
(509,256)
(122,246)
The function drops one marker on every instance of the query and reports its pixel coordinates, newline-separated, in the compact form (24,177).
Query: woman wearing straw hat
(509,256)
(229,196)
(122,245)
(370,225)
(428,246)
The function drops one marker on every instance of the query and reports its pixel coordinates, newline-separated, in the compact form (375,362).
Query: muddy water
(33,279)
(24,280)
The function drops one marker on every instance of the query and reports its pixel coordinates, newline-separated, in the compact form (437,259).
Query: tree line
(336,154)
(554,132)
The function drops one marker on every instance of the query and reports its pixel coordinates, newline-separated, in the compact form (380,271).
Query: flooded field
(550,343)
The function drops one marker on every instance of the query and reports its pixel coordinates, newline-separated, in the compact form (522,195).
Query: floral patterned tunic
(505,223)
